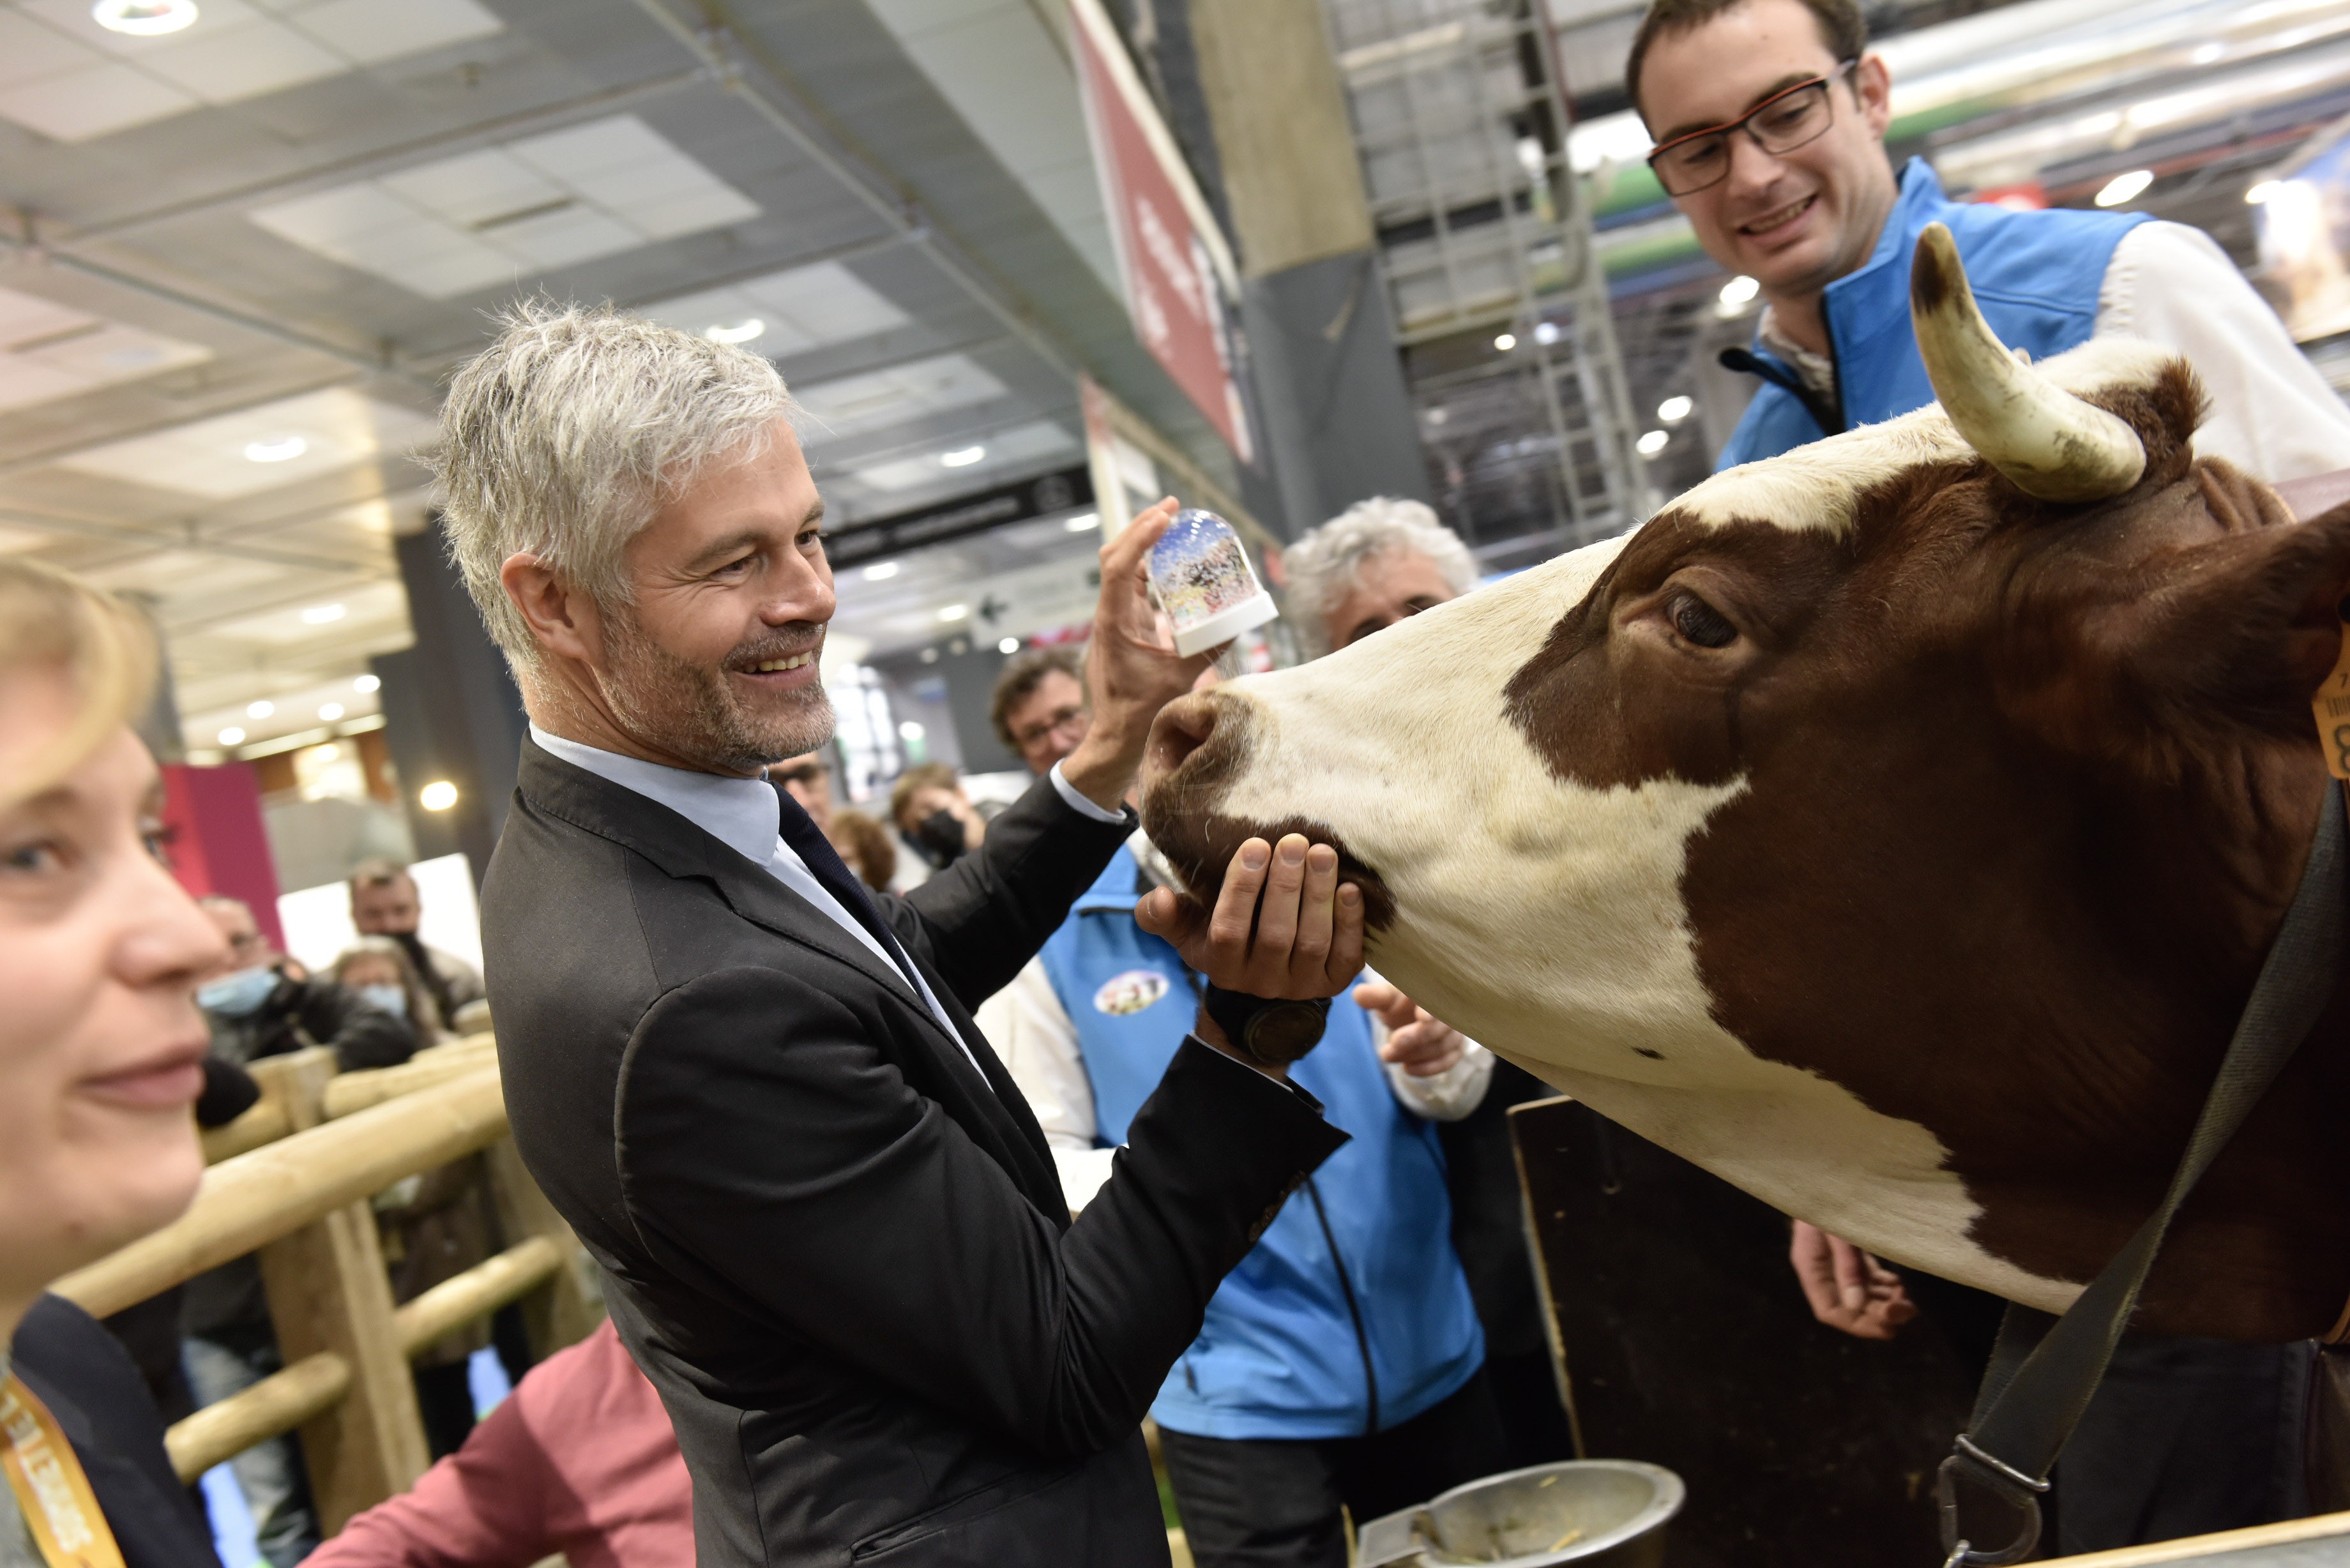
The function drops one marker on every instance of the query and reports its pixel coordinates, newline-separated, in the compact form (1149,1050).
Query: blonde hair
(51,621)
(566,436)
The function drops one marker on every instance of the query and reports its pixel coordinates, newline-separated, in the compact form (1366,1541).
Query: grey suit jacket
(842,1258)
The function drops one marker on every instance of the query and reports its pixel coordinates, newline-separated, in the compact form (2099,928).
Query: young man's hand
(1417,1041)
(1848,1288)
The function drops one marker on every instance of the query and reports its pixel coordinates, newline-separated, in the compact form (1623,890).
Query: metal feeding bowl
(1602,1513)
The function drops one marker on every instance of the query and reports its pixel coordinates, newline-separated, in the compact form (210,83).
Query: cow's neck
(2062,1077)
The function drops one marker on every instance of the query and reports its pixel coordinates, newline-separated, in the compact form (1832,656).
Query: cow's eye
(1700,622)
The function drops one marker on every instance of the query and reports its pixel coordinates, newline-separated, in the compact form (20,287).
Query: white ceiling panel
(186,575)
(336,428)
(49,351)
(803,309)
(458,224)
(63,74)
(1020,446)
(367,31)
(853,405)
(242,63)
(82,104)
(366,606)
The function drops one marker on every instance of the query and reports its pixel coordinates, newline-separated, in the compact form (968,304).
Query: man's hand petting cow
(1894,828)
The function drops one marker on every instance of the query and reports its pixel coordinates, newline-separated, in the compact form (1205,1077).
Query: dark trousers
(1249,1502)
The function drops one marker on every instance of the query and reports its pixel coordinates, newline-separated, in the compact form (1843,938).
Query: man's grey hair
(567,435)
(1322,565)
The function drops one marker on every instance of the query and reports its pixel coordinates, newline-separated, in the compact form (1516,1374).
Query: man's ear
(563,619)
(1873,85)
(2234,633)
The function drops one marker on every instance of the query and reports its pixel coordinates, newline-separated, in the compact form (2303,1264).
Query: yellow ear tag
(2332,706)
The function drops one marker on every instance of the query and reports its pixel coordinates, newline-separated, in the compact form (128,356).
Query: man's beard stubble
(691,712)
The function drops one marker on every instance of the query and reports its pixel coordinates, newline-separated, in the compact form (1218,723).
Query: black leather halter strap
(2045,1368)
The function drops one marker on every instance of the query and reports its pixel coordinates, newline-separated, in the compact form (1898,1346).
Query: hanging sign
(1177,270)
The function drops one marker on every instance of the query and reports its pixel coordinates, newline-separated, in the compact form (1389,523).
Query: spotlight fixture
(259,710)
(1675,409)
(955,612)
(1740,290)
(1009,645)
(881,571)
(438,795)
(323,615)
(1545,333)
(1652,443)
(961,457)
(2124,187)
(330,711)
(1506,341)
(277,449)
(144,18)
(232,736)
(365,684)
(910,730)
(1083,523)
(735,332)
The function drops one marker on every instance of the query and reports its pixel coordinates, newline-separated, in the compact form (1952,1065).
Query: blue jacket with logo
(2035,274)
(1351,1315)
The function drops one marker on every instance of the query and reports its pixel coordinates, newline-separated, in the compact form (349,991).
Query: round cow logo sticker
(1129,992)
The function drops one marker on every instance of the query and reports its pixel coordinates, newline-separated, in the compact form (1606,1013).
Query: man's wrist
(1101,771)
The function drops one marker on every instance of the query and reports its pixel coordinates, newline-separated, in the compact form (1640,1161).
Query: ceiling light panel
(855,405)
(482,219)
(337,427)
(804,308)
(66,76)
(1021,444)
(49,351)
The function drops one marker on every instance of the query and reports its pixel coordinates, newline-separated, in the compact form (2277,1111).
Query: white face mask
(388,999)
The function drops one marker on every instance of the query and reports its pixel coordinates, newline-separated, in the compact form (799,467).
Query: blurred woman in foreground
(101,1054)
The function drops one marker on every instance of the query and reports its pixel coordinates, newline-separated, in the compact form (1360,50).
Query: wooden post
(328,1292)
(566,1309)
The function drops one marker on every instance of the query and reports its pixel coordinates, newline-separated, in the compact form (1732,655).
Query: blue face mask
(384,999)
(239,995)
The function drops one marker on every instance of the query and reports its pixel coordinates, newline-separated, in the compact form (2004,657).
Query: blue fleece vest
(1370,1277)
(2035,274)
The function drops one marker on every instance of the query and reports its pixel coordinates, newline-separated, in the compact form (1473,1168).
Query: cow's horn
(2050,443)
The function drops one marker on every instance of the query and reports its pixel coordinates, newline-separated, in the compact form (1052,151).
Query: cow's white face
(1544,917)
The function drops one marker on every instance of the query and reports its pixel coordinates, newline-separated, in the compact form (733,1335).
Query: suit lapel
(992,1107)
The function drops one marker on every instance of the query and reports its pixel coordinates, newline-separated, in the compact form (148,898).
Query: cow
(1894,828)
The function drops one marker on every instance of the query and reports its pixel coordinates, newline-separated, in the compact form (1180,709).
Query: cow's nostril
(1181,728)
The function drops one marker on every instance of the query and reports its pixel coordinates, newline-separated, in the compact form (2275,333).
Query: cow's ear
(2234,632)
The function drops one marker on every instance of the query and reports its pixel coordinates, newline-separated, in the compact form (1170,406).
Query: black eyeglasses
(1780,124)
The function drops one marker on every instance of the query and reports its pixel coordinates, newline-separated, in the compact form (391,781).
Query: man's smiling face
(715,662)
(1794,222)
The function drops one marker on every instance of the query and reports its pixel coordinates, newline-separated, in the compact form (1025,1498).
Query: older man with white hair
(1369,568)
(829,1228)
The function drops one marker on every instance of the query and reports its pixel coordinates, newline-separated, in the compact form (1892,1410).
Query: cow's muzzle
(1198,745)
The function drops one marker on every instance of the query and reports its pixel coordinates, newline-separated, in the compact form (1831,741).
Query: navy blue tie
(807,841)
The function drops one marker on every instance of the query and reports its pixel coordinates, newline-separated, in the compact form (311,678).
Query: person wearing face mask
(385,903)
(435,1225)
(935,817)
(101,1060)
(257,1008)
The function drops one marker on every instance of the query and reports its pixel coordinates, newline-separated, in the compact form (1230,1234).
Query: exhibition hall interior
(1848,799)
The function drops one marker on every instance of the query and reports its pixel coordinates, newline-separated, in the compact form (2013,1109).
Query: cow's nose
(1181,728)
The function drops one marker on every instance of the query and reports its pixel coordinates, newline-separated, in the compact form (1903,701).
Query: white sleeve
(1037,1045)
(1449,1095)
(2272,414)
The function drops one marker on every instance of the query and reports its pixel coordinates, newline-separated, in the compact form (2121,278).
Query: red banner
(1171,284)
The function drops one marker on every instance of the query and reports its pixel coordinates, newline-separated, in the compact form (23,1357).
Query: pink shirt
(579,1461)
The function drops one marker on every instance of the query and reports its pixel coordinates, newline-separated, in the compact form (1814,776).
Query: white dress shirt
(744,815)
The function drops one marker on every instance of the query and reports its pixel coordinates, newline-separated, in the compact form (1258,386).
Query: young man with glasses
(1038,707)
(1770,117)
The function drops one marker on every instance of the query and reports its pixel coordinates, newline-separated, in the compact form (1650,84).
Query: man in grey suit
(830,1228)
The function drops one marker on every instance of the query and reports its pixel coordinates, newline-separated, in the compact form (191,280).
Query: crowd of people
(927,1151)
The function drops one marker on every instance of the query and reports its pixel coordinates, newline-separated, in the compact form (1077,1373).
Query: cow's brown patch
(2028,787)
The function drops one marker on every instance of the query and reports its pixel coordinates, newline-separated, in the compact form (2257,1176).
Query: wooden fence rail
(291,1182)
